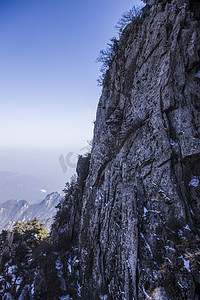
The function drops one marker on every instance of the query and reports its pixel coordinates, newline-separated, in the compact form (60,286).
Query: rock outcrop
(139,226)
(129,226)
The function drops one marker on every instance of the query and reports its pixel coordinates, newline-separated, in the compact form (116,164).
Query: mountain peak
(19,210)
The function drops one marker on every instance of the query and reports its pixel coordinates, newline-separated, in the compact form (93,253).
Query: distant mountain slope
(16,186)
(14,210)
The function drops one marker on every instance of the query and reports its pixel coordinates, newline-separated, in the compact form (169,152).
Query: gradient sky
(48,88)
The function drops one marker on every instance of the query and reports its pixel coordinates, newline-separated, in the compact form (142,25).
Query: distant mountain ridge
(17,186)
(14,210)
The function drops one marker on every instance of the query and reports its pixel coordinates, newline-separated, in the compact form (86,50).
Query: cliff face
(129,226)
(141,202)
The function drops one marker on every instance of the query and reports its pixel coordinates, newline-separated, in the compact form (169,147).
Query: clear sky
(48,74)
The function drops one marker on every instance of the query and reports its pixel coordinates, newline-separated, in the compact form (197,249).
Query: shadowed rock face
(141,205)
(195,7)
(129,226)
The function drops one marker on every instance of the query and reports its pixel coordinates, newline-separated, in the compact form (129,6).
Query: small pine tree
(128,17)
(20,227)
(106,57)
(32,227)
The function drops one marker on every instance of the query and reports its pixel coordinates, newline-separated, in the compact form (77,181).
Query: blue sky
(48,75)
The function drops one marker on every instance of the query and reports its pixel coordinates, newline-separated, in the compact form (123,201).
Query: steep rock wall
(141,204)
(129,226)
